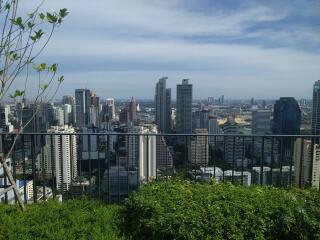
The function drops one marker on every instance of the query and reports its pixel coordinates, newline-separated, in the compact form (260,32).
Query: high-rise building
(67,108)
(124,115)
(184,108)
(213,128)
(302,156)
(286,121)
(62,149)
(316,167)
(164,156)
(233,145)
(200,147)
(111,108)
(315,120)
(59,116)
(286,117)
(163,106)
(261,122)
(82,106)
(70,101)
(133,110)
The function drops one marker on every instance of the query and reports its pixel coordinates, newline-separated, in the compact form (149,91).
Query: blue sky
(242,49)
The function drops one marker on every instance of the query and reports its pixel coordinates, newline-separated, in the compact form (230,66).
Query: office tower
(111,108)
(68,100)
(64,150)
(210,100)
(252,102)
(4,118)
(164,156)
(214,128)
(316,167)
(124,115)
(286,117)
(59,116)
(67,108)
(286,121)
(261,125)
(163,106)
(83,102)
(204,118)
(200,147)
(94,117)
(233,150)
(302,156)
(315,120)
(133,110)
(148,153)
(184,107)
(261,122)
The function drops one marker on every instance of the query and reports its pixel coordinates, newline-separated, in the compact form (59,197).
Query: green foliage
(188,210)
(72,219)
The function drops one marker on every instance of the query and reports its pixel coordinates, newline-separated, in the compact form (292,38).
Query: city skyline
(258,50)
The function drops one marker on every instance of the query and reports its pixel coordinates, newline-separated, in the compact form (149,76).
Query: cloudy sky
(242,49)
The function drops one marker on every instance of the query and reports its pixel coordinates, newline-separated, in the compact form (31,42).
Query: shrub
(72,219)
(189,210)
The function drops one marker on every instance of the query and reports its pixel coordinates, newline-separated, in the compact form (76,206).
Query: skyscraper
(83,102)
(286,117)
(64,150)
(200,147)
(184,107)
(133,110)
(286,121)
(163,106)
(261,122)
(315,120)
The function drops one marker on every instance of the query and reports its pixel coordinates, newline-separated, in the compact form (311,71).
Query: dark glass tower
(286,121)
(315,120)
(184,107)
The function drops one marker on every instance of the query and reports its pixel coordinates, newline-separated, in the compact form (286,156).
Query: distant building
(302,156)
(261,122)
(286,121)
(316,167)
(133,110)
(200,147)
(315,120)
(163,106)
(233,147)
(82,107)
(184,108)
(124,115)
(63,150)
(67,108)
(70,101)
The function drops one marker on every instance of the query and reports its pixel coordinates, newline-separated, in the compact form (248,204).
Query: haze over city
(241,49)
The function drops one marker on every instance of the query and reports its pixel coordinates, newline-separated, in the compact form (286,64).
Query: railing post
(53,166)
(42,167)
(301,161)
(262,161)
(242,160)
(33,159)
(24,169)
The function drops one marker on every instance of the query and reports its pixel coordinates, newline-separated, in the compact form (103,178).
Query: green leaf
(53,68)
(60,79)
(13,56)
(42,16)
(37,35)
(63,12)
(31,15)
(30,25)
(45,86)
(17,93)
(18,22)
(51,18)
(41,67)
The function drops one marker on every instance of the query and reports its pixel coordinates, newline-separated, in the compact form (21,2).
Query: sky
(240,49)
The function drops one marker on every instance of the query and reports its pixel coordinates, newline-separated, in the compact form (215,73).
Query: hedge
(72,219)
(188,210)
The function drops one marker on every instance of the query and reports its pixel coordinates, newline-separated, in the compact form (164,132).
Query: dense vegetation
(73,219)
(186,210)
(173,210)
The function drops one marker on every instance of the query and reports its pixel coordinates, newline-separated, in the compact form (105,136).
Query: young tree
(22,40)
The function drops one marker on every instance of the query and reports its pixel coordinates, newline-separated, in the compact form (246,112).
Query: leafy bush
(188,210)
(72,219)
